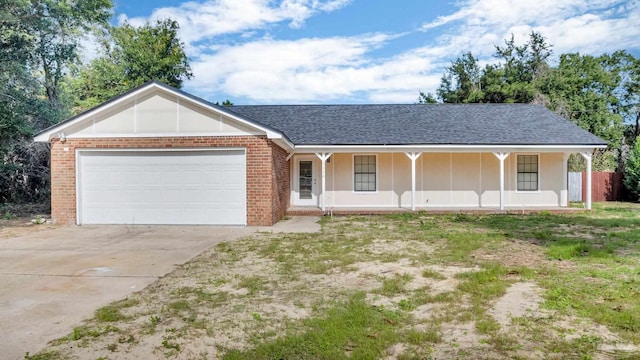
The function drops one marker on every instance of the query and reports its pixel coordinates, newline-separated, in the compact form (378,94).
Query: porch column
(564,193)
(501,156)
(323,157)
(587,156)
(413,156)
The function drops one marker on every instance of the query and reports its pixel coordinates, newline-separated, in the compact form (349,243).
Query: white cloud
(204,20)
(570,25)
(312,70)
(343,69)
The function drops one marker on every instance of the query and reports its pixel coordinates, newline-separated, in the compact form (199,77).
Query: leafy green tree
(38,42)
(227,102)
(130,57)
(461,82)
(583,89)
(632,171)
(515,79)
(629,106)
(58,26)
(426,98)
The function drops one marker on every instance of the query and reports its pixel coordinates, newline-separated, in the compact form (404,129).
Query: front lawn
(407,286)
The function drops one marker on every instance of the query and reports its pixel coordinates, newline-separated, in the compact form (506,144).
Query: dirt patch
(460,340)
(520,306)
(517,253)
(21,227)
(521,299)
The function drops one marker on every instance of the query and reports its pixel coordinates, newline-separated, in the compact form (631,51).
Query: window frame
(539,172)
(353,175)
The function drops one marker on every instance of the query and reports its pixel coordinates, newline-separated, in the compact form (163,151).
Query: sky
(367,51)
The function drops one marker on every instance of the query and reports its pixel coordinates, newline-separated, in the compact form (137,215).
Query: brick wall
(265,171)
(281,183)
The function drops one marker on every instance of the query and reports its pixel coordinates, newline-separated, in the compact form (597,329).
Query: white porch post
(587,156)
(564,193)
(413,156)
(501,156)
(323,157)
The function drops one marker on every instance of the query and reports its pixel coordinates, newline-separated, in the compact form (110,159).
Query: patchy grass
(409,285)
(353,329)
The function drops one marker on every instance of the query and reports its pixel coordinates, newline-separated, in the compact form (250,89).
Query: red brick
(267,172)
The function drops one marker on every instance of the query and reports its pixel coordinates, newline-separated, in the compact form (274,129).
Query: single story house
(158,155)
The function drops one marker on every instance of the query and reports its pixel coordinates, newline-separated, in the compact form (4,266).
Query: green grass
(432,274)
(254,284)
(353,329)
(109,313)
(44,355)
(394,285)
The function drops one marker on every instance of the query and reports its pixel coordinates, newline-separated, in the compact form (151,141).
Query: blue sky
(367,51)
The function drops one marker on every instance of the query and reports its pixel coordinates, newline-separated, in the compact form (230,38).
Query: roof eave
(451,148)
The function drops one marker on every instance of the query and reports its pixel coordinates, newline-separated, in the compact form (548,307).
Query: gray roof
(453,124)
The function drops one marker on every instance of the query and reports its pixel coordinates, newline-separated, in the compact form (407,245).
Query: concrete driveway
(52,279)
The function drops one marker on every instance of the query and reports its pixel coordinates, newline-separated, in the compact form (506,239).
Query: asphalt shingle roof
(454,124)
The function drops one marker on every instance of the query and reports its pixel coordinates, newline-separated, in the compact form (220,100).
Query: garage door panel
(162,187)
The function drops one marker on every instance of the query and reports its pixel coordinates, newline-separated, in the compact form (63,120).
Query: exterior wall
(264,171)
(442,180)
(550,177)
(339,184)
(281,187)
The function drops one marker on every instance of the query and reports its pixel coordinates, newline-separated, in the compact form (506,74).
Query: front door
(306,193)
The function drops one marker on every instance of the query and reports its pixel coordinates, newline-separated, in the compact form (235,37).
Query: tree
(58,26)
(461,82)
(38,43)
(629,106)
(130,57)
(583,89)
(632,171)
(514,79)
(227,103)
(426,98)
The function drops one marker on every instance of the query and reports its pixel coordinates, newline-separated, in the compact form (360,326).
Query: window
(364,173)
(527,172)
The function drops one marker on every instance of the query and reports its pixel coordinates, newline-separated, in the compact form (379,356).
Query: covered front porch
(446,180)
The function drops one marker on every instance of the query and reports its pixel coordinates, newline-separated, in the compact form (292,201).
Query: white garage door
(162,187)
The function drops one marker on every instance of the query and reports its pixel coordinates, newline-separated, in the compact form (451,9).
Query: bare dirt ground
(237,295)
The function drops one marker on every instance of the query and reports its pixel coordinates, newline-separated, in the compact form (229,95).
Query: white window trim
(515,159)
(353,175)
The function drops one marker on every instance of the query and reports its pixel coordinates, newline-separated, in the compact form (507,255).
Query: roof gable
(156,110)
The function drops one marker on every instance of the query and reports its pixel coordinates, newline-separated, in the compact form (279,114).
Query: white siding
(159,114)
(442,180)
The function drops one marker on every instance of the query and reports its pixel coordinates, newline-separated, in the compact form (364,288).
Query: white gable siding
(159,114)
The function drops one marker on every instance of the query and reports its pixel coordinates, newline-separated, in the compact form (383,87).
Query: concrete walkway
(51,280)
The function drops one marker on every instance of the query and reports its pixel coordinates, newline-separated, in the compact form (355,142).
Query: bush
(632,171)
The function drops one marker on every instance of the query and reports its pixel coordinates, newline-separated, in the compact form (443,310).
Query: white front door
(305,192)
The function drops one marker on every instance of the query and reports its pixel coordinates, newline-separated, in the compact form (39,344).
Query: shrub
(632,171)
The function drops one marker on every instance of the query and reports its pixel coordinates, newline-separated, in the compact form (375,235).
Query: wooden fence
(605,186)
